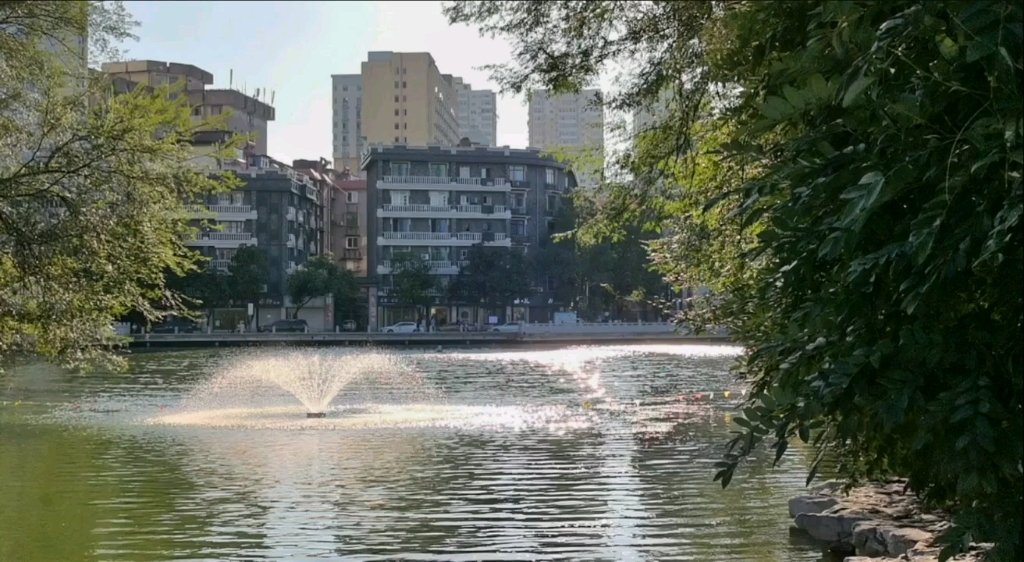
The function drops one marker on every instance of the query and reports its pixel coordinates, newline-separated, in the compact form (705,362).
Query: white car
(507,327)
(402,327)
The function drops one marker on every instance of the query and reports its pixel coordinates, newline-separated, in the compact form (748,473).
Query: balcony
(445,211)
(350,254)
(442,239)
(221,212)
(220,265)
(444,183)
(222,240)
(436,267)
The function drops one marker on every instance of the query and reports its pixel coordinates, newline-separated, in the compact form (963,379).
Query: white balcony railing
(475,184)
(222,212)
(222,265)
(227,236)
(222,239)
(437,267)
(441,238)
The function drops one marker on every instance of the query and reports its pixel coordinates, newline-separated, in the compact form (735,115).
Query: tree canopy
(319,277)
(91,185)
(249,273)
(412,280)
(847,176)
(493,276)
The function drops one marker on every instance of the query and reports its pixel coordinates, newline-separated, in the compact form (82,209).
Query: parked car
(508,327)
(348,326)
(286,326)
(177,326)
(402,327)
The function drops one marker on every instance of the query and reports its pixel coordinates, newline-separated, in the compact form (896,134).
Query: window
(399,168)
(485,173)
(438,170)
(405,126)
(405,112)
(352,242)
(518,228)
(344,88)
(487,199)
(351,197)
(396,112)
(549,176)
(551,227)
(517,173)
(396,139)
(552,202)
(396,84)
(399,197)
(405,98)
(403,71)
(396,99)
(397,70)
(403,84)
(396,126)
(463,171)
(463,254)
(519,200)
(197,110)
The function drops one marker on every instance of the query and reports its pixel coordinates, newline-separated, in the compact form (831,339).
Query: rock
(830,527)
(868,539)
(827,486)
(810,504)
(875,538)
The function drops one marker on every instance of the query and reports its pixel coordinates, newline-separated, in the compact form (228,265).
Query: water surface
(572,454)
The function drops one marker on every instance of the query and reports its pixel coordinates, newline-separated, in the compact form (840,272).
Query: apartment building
(349,217)
(396,98)
(567,121)
(650,116)
(437,202)
(248,115)
(347,130)
(277,209)
(477,114)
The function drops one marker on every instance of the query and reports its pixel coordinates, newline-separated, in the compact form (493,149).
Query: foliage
(412,280)
(319,277)
(91,186)
(204,288)
(250,272)
(494,277)
(847,175)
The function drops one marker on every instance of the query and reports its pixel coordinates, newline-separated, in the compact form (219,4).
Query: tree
(413,282)
(91,186)
(868,215)
(250,272)
(494,277)
(204,289)
(319,277)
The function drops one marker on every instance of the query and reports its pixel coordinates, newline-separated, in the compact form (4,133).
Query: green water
(579,454)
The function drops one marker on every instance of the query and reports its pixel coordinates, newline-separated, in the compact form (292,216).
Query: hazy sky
(293,48)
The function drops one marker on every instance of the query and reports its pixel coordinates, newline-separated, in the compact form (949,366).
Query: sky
(293,48)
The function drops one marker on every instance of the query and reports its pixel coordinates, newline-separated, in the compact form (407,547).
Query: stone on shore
(810,504)
(833,528)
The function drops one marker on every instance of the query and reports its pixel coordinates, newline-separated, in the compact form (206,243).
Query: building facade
(568,121)
(438,202)
(347,130)
(477,114)
(248,115)
(278,210)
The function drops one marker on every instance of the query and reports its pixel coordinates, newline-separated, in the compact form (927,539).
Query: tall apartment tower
(347,102)
(478,117)
(407,100)
(568,120)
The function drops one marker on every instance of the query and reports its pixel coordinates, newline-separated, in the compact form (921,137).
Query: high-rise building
(347,131)
(647,117)
(437,203)
(248,115)
(397,98)
(567,121)
(477,113)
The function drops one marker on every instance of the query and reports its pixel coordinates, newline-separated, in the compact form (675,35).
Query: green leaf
(856,89)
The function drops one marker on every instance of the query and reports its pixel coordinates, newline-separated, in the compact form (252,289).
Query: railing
(433,264)
(442,236)
(239,209)
(222,265)
(351,254)
(228,236)
(478,209)
(433,180)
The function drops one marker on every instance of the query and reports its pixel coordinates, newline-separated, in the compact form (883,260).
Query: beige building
(567,121)
(477,113)
(248,115)
(396,98)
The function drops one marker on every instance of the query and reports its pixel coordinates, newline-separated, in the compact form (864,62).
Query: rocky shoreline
(881,522)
